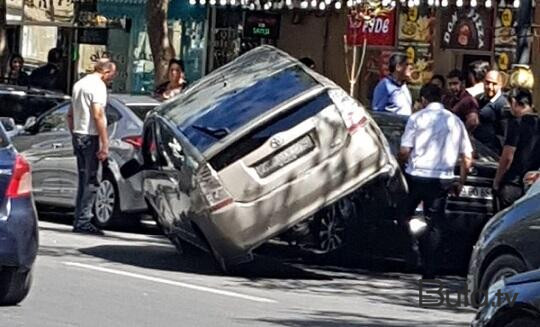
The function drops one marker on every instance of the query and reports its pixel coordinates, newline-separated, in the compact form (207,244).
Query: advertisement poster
(467,28)
(381,32)
(505,35)
(415,35)
(14,11)
(43,11)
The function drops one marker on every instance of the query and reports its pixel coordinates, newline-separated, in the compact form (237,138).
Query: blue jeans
(85,148)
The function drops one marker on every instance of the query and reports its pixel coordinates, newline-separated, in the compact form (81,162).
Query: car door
(54,168)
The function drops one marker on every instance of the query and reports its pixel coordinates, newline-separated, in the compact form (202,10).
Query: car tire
(14,286)
(502,266)
(106,205)
(331,226)
(523,322)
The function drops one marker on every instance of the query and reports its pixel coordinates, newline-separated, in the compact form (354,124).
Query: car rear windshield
(141,110)
(232,110)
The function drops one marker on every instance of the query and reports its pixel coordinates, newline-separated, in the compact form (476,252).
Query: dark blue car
(18,224)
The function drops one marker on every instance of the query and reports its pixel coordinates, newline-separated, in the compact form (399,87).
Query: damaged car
(253,149)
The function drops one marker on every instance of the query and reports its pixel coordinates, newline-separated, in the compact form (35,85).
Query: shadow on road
(348,319)
(196,261)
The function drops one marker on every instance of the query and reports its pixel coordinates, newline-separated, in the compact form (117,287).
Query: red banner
(381,32)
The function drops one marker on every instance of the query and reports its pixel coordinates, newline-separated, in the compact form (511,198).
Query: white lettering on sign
(473,16)
(379,25)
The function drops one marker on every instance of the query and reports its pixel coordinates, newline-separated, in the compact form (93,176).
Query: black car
(21,103)
(467,213)
(509,244)
(517,305)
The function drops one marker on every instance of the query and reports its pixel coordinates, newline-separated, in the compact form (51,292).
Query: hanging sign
(467,28)
(262,25)
(380,31)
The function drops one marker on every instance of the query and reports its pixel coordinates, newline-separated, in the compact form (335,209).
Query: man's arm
(98,113)
(404,154)
(507,157)
(70,118)
(472,121)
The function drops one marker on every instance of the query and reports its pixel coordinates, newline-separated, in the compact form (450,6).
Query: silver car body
(265,192)
(54,167)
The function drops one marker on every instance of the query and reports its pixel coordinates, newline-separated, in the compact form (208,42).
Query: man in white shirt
(433,142)
(88,125)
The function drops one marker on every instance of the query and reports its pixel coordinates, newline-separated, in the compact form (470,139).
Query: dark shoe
(88,229)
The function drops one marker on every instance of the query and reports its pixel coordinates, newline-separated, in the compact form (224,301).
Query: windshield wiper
(218,133)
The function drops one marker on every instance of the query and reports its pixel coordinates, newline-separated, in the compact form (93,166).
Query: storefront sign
(14,11)
(380,31)
(467,28)
(505,36)
(93,35)
(262,25)
(48,12)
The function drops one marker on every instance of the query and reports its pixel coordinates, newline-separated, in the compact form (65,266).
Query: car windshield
(141,109)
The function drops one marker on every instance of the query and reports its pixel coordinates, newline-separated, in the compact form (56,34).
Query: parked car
(18,224)
(252,149)
(47,145)
(523,309)
(509,243)
(20,102)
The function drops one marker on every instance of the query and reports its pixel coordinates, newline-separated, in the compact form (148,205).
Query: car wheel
(503,266)
(106,206)
(14,286)
(523,322)
(332,225)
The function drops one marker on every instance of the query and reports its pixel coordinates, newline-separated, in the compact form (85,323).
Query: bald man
(493,105)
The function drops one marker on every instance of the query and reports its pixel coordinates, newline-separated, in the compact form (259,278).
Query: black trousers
(506,196)
(433,192)
(85,148)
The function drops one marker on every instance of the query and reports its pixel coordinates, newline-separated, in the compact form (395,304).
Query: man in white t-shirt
(88,125)
(433,142)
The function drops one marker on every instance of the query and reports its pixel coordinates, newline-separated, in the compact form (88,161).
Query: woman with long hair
(176,82)
(15,74)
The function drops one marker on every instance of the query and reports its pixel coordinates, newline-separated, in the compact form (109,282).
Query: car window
(113,115)
(140,110)
(54,121)
(170,149)
(20,106)
(149,148)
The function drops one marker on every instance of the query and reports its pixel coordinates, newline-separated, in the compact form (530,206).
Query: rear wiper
(218,133)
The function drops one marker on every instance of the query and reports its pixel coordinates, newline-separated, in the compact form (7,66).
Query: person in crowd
(461,102)
(308,62)
(15,74)
(439,81)
(176,83)
(475,77)
(493,104)
(391,93)
(87,122)
(433,142)
(521,151)
(50,76)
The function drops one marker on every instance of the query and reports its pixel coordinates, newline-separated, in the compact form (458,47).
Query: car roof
(135,99)
(24,90)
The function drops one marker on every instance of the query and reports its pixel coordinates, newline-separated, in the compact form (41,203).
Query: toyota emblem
(276,142)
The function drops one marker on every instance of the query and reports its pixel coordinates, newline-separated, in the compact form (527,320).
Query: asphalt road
(137,279)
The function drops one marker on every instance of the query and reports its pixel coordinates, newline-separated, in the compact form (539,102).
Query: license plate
(476,192)
(285,156)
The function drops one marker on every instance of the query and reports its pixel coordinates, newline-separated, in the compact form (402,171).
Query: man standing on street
(392,94)
(521,151)
(461,102)
(492,106)
(433,141)
(88,124)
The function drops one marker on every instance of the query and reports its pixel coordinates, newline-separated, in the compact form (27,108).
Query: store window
(37,41)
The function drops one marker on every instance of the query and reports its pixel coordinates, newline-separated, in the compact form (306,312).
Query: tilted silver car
(47,145)
(251,150)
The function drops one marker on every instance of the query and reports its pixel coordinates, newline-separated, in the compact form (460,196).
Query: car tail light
(135,140)
(215,194)
(20,184)
(531,177)
(352,113)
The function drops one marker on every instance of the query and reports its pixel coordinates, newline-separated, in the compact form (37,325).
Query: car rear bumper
(18,233)
(238,228)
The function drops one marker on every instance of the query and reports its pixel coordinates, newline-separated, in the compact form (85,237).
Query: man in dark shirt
(492,106)
(461,102)
(521,151)
(50,76)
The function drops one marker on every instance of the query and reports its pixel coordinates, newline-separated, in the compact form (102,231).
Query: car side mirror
(8,123)
(30,124)
(131,168)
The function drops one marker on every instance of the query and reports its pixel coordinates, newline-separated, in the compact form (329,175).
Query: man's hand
(103,152)
(457,188)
